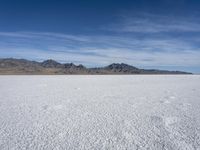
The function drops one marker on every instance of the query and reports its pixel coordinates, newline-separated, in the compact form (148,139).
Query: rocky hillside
(22,66)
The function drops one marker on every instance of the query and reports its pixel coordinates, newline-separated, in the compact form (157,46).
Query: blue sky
(163,34)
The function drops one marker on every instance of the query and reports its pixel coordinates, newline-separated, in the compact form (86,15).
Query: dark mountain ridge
(23,66)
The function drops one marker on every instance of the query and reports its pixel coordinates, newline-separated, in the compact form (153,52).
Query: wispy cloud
(154,23)
(99,50)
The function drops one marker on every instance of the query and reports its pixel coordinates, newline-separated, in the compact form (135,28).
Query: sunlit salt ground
(100,112)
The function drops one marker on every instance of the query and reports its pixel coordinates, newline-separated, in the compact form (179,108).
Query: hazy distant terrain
(51,67)
(100,112)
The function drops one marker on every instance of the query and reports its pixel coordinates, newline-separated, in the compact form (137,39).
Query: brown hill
(51,67)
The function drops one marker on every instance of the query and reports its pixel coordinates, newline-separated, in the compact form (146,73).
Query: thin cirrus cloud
(151,23)
(99,50)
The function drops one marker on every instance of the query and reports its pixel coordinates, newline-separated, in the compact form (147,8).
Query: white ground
(100,112)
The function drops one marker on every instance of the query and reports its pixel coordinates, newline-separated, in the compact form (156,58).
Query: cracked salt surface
(100,112)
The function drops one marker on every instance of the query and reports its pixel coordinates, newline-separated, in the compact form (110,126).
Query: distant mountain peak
(120,65)
(50,66)
(50,63)
(122,68)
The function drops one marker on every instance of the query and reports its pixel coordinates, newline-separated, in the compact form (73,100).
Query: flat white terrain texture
(100,112)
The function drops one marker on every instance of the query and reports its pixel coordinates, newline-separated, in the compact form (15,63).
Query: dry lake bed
(100,112)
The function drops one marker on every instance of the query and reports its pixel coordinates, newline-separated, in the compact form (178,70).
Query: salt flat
(100,112)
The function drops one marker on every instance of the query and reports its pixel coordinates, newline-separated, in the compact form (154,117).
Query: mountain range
(14,66)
